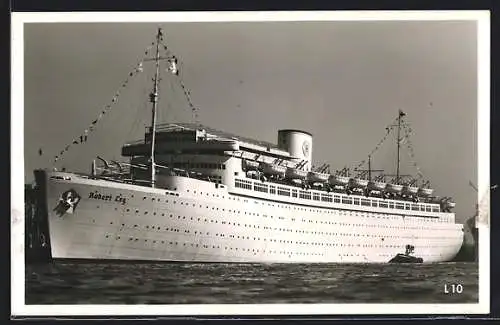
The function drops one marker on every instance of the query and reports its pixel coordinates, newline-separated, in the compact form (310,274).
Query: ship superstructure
(192,193)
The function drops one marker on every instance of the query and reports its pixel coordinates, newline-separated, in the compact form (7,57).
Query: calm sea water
(177,283)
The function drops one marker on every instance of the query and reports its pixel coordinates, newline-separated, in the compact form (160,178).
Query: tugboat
(407,257)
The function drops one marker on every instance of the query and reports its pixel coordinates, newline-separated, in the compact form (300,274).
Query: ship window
(223,166)
(382,204)
(399,206)
(243,184)
(435,209)
(391,205)
(374,203)
(272,189)
(407,207)
(365,202)
(414,207)
(283,191)
(260,187)
(304,195)
(316,196)
(336,199)
(326,197)
(346,200)
(356,201)
(294,194)
(428,208)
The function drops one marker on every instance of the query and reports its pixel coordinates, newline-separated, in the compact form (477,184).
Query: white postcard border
(18,307)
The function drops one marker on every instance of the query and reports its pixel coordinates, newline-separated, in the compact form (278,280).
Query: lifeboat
(273,169)
(250,165)
(435,199)
(394,188)
(410,190)
(450,204)
(295,173)
(425,191)
(376,186)
(317,177)
(447,204)
(229,144)
(337,180)
(253,174)
(358,183)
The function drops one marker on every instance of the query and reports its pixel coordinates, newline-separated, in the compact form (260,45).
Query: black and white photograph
(250,163)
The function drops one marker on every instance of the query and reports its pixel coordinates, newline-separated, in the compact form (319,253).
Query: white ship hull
(198,221)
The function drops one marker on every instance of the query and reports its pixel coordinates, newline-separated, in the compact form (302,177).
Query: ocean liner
(191,193)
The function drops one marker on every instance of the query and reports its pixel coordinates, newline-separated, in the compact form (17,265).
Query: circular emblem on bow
(305,148)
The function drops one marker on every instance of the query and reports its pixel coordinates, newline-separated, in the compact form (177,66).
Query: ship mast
(398,141)
(370,167)
(154,100)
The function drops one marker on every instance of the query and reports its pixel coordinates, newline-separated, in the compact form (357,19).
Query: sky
(343,81)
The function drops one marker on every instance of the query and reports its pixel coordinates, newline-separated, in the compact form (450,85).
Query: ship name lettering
(107,197)
(121,199)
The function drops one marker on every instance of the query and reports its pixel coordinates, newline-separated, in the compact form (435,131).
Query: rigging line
(175,95)
(410,151)
(165,114)
(180,74)
(138,115)
(106,109)
(169,103)
(187,94)
(194,109)
(389,128)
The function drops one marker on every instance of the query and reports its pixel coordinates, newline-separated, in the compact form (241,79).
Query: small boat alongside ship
(407,257)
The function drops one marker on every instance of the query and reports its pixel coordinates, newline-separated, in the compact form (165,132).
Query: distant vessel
(192,193)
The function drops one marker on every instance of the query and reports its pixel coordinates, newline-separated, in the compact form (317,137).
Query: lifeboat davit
(394,188)
(411,190)
(294,173)
(358,182)
(425,191)
(250,165)
(376,186)
(273,169)
(337,180)
(317,177)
